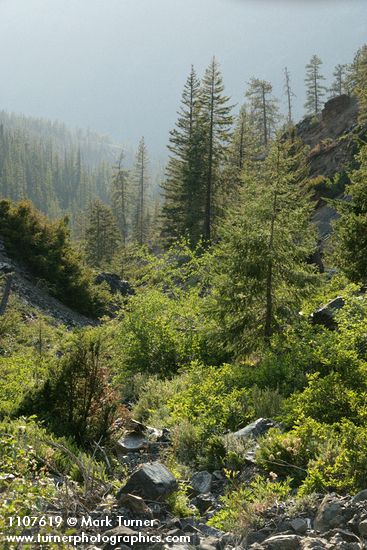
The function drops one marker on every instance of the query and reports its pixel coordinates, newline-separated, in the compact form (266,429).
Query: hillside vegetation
(235,313)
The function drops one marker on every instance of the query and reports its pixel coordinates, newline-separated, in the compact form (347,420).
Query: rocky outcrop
(151,481)
(325,315)
(34,296)
(330,136)
(115,284)
(256,429)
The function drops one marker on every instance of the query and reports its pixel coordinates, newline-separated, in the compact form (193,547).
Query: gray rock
(360,497)
(258,536)
(209,543)
(330,514)
(122,531)
(5,267)
(256,429)
(132,442)
(115,284)
(201,482)
(325,315)
(282,542)
(204,502)
(299,525)
(313,544)
(151,481)
(362,528)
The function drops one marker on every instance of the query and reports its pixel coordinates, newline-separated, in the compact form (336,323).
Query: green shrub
(29,457)
(288,454)
(326,400)
(18,376)
(242,506)
(214,398)
(158,334)
(340,465)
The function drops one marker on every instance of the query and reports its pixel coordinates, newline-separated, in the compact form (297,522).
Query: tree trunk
(208,205)
(265,120)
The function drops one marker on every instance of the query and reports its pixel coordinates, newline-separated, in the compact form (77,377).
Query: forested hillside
(217,378)
(58,171)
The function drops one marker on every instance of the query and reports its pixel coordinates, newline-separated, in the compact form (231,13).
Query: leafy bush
(288,454)
(326,400)
(158,334)
(15,371)
(46,248)
(340,465)
(318,457)
(242,505)
(214,398)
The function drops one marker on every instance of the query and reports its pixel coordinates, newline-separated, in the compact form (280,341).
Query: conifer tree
(350,237)
(217,121)
(102,235)
(264,108)
(184,185)
(119,194)
(357,80)
(141,180)
(339,85)
(260,266)
(242,152)
(315,90)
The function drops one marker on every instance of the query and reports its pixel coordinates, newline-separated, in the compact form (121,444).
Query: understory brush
(242,505)
(39,471)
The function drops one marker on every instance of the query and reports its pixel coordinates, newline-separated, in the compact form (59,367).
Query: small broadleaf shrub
(159,334)
(242,506)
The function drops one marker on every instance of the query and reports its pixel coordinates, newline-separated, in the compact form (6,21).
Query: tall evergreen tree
(102,235)
(119,194)
(357,79)
(141,179)
(315,90)
(260,265)
(264,108)
(339,85)
(242,152)
(217,121)
(183,187)
(350,237)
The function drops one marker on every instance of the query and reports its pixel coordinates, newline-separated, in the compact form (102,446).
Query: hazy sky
(118,66)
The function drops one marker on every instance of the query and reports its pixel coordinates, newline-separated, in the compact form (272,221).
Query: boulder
(204,502)
(132,442)
(299,525)
(325,315)
(134,503)
(362,528)
(360,497)
(282,542)
(201,482)
(5,267)
(115,283)
(151,481)
(256,429)
(313,544)
(330,514)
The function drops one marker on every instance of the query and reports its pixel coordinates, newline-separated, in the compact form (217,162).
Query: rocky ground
(329,521)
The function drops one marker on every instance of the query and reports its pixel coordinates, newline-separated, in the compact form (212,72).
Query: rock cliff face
(330,136)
